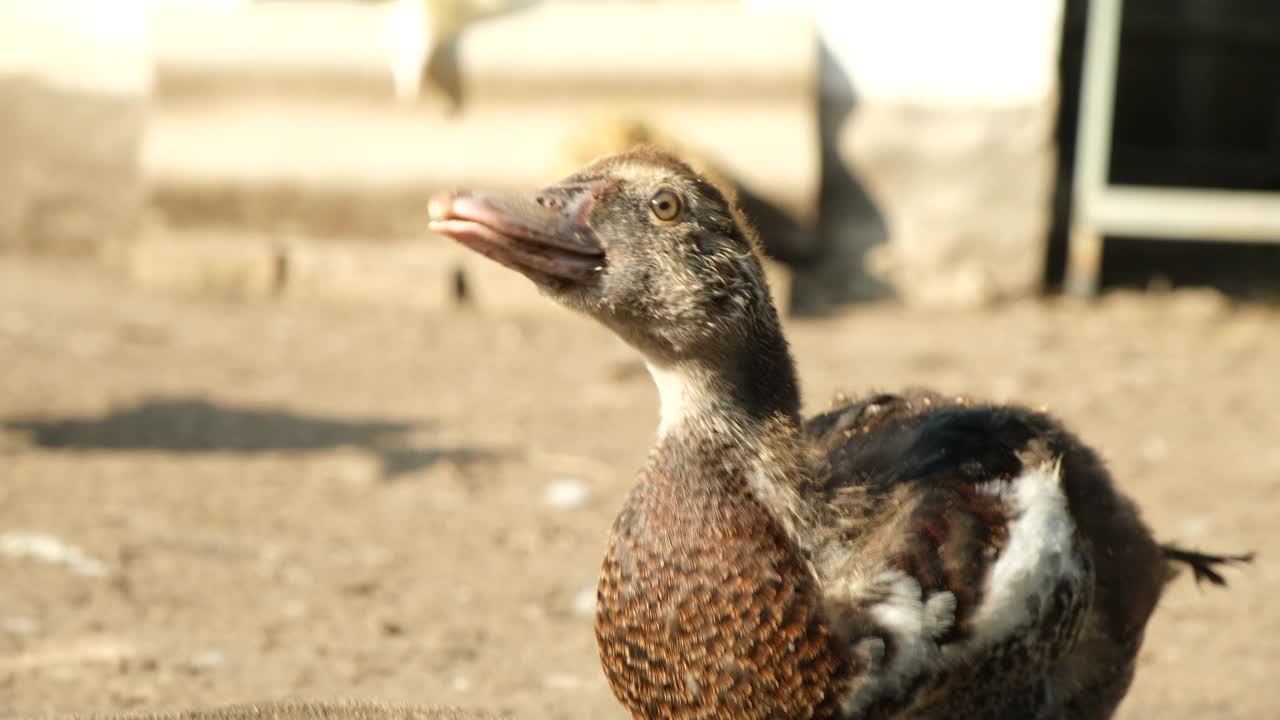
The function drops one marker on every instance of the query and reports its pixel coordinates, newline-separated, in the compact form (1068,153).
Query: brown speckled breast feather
(705,609)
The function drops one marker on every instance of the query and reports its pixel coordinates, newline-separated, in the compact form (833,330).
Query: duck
(908,554)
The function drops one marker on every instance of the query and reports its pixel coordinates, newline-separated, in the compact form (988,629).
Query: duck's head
(638,241)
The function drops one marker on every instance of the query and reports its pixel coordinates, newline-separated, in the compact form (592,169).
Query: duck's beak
(544,235)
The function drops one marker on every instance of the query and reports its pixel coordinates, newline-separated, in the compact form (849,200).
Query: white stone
(210,659)
(584,602)
(562,681)
(567,494)
(19,625)
(49,549)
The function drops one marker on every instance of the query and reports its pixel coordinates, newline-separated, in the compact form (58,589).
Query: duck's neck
(711,561)
(731,392)
(735,418)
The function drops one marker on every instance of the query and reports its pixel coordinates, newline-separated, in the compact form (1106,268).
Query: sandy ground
(306,501)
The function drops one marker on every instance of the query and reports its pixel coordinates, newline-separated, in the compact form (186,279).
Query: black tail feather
(1204,566)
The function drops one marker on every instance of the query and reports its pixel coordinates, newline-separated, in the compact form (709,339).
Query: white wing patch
(915,627)
(1040,552)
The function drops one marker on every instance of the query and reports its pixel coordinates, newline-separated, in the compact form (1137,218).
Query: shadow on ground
(195,425)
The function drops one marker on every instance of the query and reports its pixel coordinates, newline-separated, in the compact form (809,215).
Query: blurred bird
(422,37)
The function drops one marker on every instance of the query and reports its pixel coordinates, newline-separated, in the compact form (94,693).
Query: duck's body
(906,555)
(903,556)
(978,502)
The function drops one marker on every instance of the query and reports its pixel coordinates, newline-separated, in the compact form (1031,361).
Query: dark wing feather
(939,451)
(978,444)
(1204,567)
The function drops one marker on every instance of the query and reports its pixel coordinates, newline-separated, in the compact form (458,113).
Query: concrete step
(432,274)
(281,115)
(347,169)
(551,48)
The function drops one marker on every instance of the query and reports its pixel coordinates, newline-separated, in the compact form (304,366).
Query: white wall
(947,156)
(74,75)
(941,52)
(94,45)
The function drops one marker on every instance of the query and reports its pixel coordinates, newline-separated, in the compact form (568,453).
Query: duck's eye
(666,205)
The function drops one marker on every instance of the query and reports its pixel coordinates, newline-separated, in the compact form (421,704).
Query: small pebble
(561,681)
(1196,528)
(295,609)
(1154,448)
(49,549)
(584,602)
(208,660)
(567,494)
(19,625)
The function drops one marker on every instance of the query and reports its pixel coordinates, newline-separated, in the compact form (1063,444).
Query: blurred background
(262,436)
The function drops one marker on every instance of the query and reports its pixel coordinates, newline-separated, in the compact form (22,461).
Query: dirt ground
(275,500)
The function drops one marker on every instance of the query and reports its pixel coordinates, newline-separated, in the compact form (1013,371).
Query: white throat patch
(674,389)
(689,396)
